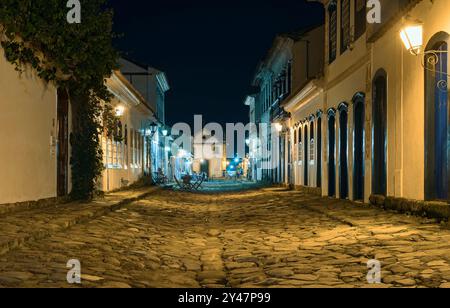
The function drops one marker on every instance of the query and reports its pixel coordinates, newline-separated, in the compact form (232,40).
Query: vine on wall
(74,57)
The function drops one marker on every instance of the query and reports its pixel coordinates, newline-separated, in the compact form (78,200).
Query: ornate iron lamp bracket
(429,60)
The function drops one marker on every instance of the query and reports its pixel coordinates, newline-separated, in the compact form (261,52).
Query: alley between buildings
(259,238)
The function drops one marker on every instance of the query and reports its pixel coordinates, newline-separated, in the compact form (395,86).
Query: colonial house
(380,110)
(152,84)
(125,154)
(292,62)
(387,105)
(210,155)
(346,71)
(301,135)
(36,125)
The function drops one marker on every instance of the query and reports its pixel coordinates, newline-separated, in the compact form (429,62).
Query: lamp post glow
(412,37)
(120,110)
(278,127)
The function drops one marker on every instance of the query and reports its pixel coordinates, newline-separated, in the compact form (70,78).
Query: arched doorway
(332,153)
(379,133)
(204,167)
(437,118)
(358,146)
(343,151)
(305,156)
(319,149)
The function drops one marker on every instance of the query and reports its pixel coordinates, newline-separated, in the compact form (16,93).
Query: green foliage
(87,156)
(75,57)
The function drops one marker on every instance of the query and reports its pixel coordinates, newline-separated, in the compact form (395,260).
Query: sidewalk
(22,227)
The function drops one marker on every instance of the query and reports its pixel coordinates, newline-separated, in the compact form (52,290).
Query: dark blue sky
(209,49)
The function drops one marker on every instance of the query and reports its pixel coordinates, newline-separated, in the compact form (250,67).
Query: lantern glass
(412,37)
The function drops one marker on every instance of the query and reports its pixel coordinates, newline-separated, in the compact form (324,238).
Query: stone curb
(430,209)
(84,217)
(12,208)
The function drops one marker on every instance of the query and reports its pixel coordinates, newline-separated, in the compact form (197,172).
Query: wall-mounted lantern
(119,110)
(412,37)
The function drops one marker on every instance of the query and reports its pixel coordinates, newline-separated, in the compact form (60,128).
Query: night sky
(208,49)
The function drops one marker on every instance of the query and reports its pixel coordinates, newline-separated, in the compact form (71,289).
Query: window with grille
(360,18)
(345,25)
(332,31)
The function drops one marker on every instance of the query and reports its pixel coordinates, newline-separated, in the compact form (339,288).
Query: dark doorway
(62,149)
(437,119)
(379,114)
(311,142)
(343,151)
(305,154)
(204,167)
(289,164)
(332,153)
(319,150)
(358,147)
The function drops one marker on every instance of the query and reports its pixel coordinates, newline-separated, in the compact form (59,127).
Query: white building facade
(36,125)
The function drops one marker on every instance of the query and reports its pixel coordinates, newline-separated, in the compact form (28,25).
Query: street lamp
(278,127)
(120,110)
(412,37)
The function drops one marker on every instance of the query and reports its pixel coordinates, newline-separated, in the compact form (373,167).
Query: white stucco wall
(27,124)
(406,100)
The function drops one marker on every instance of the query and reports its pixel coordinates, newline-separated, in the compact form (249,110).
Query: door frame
(343,152)
(62,145)
(379,181)
(430,181)
(359,102)
(331,131)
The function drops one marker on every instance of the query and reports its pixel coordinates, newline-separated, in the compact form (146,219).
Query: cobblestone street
(260,238)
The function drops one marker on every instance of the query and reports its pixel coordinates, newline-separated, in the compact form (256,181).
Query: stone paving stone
(269,238)
(20,227)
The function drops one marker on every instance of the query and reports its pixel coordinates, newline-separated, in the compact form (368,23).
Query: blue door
(331,153)
(358,148)
(436,124)
(343,146)
(306,158)
(379,155)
